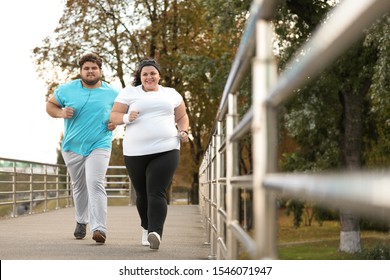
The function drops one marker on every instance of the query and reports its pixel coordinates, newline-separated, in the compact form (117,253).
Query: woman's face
(150,78)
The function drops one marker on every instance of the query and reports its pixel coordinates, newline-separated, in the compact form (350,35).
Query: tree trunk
(349,232)
(195,188)
(353,105)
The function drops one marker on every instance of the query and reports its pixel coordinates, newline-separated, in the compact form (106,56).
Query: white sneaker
(154,240)
(144,240)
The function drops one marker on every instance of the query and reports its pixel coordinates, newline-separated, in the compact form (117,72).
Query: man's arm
(53,108)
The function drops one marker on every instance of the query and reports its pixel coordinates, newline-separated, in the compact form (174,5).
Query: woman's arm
(117,113)
(182,121)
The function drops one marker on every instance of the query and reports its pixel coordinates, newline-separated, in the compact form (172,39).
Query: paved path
(49,236)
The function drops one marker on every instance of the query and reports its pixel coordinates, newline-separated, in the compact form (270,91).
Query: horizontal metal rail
(28,187)
(363,192)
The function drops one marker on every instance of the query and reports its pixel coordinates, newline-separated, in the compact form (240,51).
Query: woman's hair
(90,57)
(144,62)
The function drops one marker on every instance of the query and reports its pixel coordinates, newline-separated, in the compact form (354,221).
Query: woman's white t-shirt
(154,130)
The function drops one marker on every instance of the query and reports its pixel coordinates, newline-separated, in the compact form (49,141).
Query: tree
(331,118)
(85,26)
(377,146)
(195,59)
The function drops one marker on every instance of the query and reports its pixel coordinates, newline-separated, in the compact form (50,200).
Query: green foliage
(379,252)
(334,119)
(309,118)
(296,207)
(316,119)
(294,23)
(377,151)
(226,17)
(322,214)
(374,224)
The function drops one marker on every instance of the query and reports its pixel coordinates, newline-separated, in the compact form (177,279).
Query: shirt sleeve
(58,97)
(124,96)
(178,99)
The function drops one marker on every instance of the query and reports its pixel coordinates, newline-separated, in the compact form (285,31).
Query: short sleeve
(177,98)
(58,97)
(124,96)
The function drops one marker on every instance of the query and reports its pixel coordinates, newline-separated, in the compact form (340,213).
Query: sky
(27,132)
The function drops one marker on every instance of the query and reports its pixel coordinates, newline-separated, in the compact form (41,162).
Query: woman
(156,121)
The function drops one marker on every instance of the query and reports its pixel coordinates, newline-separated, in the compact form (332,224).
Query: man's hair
(90,57)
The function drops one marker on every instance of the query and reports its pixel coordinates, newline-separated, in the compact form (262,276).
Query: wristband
(126,119)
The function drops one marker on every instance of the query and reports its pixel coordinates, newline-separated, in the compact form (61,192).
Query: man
(85,105)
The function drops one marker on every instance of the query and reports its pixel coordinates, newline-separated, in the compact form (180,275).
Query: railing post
(220,193)
(202,197)
(69,188)
(14,206)
(132,195)
(212,197)
(31,186)
(264,133)
(45,188)
(57,188)
(208,200)
(231,170)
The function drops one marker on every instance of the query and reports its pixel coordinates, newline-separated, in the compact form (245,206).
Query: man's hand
(111,126)
(67,113)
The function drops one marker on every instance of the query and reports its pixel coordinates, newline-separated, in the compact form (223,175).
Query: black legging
(151,176)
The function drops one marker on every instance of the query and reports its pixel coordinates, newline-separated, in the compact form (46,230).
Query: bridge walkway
(49,236)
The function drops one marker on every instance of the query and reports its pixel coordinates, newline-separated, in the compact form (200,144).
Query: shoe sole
(79,237)
(154,242)
(99,238)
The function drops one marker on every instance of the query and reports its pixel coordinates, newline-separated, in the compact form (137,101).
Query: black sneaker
(80,231)
(99,236)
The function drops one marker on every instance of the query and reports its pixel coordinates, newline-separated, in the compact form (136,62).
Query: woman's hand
(183,134)
(133,116)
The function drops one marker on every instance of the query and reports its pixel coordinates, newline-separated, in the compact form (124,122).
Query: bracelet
(126,119)
(185,131)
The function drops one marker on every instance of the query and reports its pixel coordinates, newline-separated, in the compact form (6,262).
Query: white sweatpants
(89,194)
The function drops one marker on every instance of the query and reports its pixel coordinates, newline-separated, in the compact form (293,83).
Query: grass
(5,210)
(317,242)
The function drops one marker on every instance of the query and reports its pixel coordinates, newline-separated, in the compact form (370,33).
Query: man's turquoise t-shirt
(87,129)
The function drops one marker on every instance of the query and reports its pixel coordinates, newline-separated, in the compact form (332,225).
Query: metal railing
(221,184)
(118,185)
(28,187)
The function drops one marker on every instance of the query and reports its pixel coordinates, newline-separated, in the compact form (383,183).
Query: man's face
(90,73)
